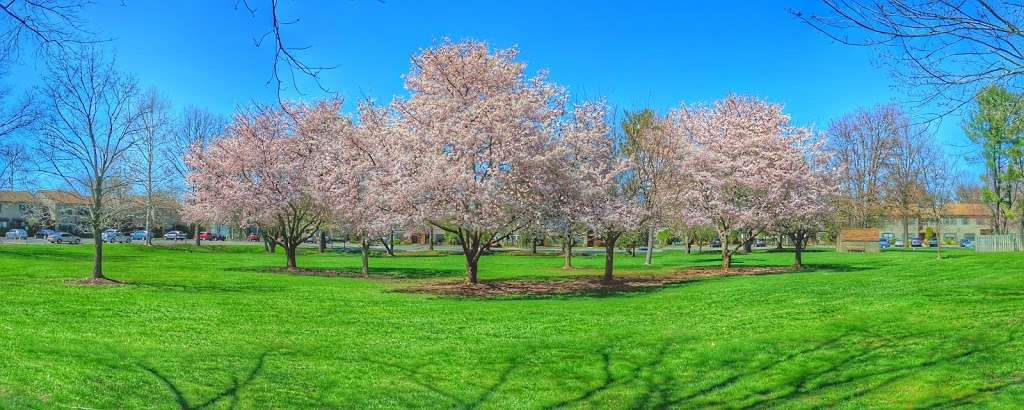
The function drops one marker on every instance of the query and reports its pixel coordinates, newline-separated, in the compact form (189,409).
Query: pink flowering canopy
(363,175)
(264,171)
(475,134)
(592,181)
(742,161)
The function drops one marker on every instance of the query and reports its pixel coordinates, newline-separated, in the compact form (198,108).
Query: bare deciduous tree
(196,128)
(862,146)
(92,121)
(940,189)
(148,170)
(907,169)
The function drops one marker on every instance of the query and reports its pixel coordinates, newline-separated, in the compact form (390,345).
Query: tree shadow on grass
(230,393)
(835,267)
(427,382)
(839,369)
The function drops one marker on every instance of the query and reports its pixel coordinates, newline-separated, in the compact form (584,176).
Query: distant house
(858,240)
(15,207)
(70,211)
(958,221)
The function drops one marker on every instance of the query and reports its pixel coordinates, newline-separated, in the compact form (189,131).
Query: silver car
(175,236)
(64,237)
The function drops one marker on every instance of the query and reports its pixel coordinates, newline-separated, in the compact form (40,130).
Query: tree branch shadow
(421,380)
(229,393)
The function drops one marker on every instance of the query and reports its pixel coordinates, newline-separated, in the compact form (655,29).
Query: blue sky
(634,53)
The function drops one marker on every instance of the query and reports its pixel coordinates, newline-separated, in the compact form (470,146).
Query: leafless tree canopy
(863,145)
(44,24)
(196,128)
(942,51)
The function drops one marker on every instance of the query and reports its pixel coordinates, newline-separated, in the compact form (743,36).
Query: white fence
(999,243)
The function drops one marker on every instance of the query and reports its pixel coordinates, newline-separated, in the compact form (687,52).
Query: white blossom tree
(475,134)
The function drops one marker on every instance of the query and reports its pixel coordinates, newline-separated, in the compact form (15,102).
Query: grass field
(212,328)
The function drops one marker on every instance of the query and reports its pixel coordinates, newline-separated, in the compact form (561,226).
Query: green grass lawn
(212,328)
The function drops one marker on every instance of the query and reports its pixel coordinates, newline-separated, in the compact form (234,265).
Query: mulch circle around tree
(581,285)
(94,282)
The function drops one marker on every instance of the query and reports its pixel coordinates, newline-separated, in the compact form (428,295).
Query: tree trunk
(689,246)
(906,233)
(365,246)
(650,247)
(149,223)
(471,270)
(779,244)
(726,252)
(290,252)
(938,241)
(567,249)
(322,242)
(269,244)
(430,238)
(798,248)
(609,260)
(97,259)
(533,246)
(388,247)
(195,234)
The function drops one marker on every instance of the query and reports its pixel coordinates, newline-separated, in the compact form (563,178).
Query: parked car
(759,243)
(916,242)
(64,237)
(933,243)
(716,243)
(253,238)
(175,236)
(45,233)
(110,235)
(141,235)
(210,236)
(883,243)
(967,243)
(17,234)
(116,237)
(898,243)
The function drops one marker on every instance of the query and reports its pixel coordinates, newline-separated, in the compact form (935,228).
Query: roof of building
(65,197)
(967,209)
(16,197)
(859,234)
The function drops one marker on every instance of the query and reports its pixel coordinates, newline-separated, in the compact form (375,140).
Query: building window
(888,236)
(964,221)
